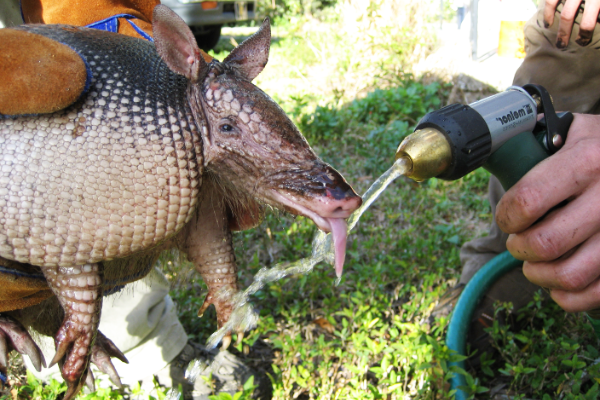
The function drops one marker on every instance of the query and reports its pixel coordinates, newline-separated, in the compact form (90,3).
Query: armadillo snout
(342,200)
(341,208)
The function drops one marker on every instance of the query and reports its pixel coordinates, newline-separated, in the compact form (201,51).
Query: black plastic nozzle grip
(468,135)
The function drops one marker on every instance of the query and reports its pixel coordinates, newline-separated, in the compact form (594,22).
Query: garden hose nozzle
(500,133)
(428,151)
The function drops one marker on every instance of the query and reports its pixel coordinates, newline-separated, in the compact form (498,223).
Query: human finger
(588,22)
(560,230)
(572,273)
(567,173)
(549,11)
(584,300)
(565,26)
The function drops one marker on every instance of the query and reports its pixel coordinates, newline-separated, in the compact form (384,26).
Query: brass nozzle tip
(429,151)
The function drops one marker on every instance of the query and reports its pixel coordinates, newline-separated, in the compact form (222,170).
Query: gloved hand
(43,76)
(39,75)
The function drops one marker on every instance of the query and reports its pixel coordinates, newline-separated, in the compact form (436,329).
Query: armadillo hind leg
(13,336)
(79,291)
(207,244)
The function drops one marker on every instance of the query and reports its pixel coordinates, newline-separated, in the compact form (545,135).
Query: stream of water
(244,317)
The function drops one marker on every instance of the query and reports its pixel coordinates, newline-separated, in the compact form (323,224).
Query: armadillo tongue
(339,233)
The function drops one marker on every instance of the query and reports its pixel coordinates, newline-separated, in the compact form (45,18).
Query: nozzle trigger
(555,125)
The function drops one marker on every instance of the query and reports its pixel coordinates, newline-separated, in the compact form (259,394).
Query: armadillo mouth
(337,227)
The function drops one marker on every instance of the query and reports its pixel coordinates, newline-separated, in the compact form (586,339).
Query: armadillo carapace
(117,172)
(160,150)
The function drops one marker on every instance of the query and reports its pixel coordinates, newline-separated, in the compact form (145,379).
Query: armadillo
(161,150)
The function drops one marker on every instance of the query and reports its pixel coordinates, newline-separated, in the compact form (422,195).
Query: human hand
(562,250)
(567,17)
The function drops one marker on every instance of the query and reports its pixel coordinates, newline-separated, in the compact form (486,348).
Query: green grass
(373,336)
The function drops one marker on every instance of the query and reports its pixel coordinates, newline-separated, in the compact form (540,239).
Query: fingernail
(546,24)
(584,38)
(560,44)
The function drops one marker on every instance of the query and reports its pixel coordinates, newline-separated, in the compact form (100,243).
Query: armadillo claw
(223,315)
(3,355)
(89,381)
(204,307)
(240,338)
(102,351)
(221,319)
(73,343)
(226,341)
(221,299)
(13,336)
(73,389)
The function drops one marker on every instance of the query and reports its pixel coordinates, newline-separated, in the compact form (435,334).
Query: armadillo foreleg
(79,291)
(207,243)
(218,269)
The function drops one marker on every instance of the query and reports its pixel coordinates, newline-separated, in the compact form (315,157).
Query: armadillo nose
(341,208)
(335,185)
(345,207)
(343,201)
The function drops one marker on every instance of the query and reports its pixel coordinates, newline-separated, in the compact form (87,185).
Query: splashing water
(244,317)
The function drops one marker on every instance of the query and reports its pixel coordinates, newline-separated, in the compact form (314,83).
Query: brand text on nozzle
(515,115)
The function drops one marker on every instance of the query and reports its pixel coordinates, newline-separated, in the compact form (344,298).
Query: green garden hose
(465,307)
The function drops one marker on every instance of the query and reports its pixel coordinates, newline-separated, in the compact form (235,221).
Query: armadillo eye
(226,128)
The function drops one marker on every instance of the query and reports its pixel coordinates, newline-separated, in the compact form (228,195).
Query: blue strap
(4,270)
(21,9)
(111,24)
(140,31)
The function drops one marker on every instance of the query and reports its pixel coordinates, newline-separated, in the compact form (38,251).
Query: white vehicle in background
(206,18)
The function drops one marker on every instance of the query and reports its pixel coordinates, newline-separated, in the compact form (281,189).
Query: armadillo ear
(251,57)
(176,44)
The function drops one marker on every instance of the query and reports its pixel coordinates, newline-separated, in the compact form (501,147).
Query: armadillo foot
(79,291)
(13,336)
(102,351)
(222,299)
(73,342)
